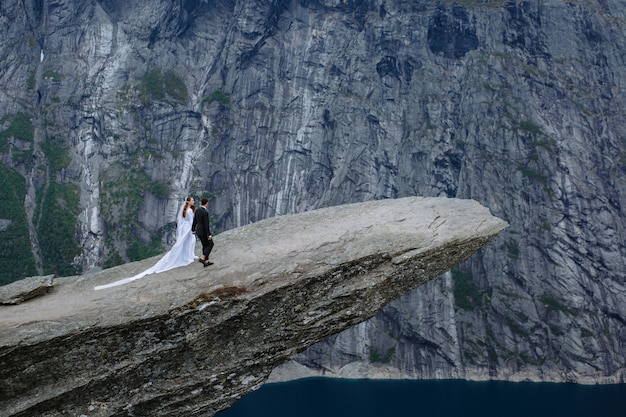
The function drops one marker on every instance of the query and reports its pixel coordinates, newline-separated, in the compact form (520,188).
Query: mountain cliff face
(111,112)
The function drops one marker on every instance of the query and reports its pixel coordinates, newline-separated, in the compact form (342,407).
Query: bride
(181,254)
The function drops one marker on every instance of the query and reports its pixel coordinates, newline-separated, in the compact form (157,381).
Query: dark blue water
(323,397)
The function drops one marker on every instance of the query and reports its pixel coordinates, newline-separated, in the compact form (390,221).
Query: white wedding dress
(181,254)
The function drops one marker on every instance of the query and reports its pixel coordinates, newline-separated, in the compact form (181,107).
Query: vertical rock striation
(112,112)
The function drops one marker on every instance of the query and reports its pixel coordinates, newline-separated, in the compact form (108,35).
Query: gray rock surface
(192,340)
(25,289)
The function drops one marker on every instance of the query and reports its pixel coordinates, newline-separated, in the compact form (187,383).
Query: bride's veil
(179,220)
(171,259)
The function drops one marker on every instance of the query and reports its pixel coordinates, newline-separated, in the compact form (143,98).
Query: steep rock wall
(284,106)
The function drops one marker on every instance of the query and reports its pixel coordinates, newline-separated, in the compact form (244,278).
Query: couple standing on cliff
(189,224)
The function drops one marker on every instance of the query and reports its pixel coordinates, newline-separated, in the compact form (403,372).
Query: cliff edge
(193,340)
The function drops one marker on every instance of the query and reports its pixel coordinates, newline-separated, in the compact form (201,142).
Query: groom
(200,227)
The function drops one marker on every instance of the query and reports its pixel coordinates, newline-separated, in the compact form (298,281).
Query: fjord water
(325,397)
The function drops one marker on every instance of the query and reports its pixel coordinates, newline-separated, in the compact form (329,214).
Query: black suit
(200,226)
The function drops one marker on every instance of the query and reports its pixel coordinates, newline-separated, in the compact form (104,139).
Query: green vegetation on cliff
(121,199)
(56,229)
(20,128)
(157,85)
(16,257)
(219,96)
(466,294)
(58,156)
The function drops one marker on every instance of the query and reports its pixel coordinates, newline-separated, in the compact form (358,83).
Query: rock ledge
(193,340)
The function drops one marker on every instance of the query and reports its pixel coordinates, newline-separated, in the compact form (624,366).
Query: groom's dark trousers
(207,246)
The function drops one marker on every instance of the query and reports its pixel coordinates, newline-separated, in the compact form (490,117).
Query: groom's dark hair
(204,200)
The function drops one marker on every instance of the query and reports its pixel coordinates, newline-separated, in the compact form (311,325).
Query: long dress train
(181,254)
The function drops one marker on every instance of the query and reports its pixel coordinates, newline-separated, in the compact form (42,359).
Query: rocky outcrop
(192,340)
(111,112)
(25,289)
